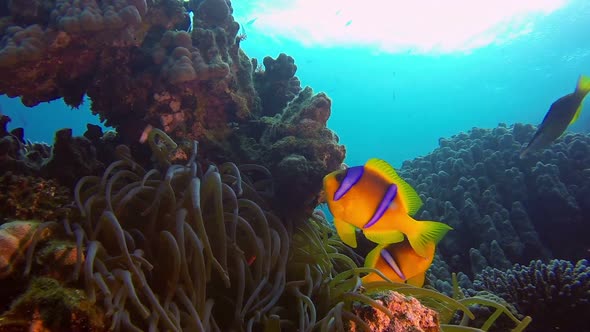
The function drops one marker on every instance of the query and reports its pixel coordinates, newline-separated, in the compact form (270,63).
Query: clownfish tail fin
(426,232)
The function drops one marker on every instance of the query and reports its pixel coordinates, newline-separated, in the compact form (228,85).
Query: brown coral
(29,197)
(408,315)
(48,306)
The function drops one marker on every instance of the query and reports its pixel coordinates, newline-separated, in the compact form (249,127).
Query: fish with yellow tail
(376,200)
(562,113)
(399,262)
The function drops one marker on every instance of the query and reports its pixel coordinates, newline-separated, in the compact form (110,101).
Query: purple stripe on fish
(353,175)
(392,264)
(385,202)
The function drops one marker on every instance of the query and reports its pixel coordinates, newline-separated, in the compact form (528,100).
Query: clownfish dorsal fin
(408,195)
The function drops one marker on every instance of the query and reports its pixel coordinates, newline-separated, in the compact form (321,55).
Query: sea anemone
(178,247)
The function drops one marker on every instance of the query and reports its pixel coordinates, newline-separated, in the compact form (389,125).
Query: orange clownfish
(376,200)
(400,263)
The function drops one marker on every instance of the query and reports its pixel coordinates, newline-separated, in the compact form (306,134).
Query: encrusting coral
(29,197)
(48,306)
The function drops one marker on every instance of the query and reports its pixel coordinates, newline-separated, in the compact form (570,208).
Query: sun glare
(422,26)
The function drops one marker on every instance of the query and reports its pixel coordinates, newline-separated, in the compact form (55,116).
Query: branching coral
(505,209)
(556,294)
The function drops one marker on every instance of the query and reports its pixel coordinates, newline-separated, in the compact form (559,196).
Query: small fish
(375,199)
(251,260)
(399,262)
(191,16)
(145,133)
(562,113)
(348,23)
(251,21)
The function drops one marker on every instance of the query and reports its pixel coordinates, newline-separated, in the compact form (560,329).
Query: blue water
(397,106)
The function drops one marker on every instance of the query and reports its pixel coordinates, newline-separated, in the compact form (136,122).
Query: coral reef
(277,84)
(71,158)
(16,154)
(39,249)
(48,306)
(297,147)
(189,245)
(556,295)
(68,159)
(410,315)
(61,45)
(28,197)
(183,244)
(505,209)
(142,66)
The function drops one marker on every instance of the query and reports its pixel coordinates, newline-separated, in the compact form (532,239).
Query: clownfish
(376,200)
(399,262)
(562,113)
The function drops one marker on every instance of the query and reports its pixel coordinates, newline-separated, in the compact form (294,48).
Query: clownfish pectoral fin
(410,198)
(417,280)
(424,233)
(373,256)
(383,236)
(346,232)
(371,277)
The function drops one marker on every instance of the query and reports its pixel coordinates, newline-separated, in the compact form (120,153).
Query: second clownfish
(400,263)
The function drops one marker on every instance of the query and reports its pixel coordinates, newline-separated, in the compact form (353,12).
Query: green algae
(57,307)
